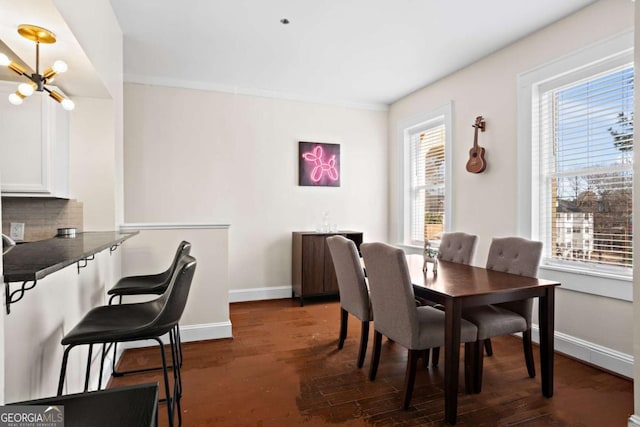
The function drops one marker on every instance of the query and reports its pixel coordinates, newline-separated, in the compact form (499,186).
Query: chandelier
(37,81)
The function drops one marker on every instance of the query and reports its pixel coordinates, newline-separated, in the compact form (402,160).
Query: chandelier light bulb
(60,66)
(68,104)
(25,89)
(4,60)
(15,99)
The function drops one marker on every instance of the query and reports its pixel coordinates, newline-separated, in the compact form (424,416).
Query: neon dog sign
(319,164)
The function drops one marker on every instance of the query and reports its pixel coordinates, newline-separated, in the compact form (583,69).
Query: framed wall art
(319,164)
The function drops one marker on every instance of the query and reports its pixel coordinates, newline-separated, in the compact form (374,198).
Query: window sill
(410,249)
(591,282)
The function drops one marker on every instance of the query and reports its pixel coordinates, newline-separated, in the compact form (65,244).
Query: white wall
(100,125)
(92,161)
(486,204)
(206,315)
(198,156)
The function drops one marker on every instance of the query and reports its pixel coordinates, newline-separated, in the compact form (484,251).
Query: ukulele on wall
(477,163)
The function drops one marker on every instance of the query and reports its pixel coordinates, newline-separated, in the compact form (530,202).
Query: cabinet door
(23,144)
(313,265)
(33,145)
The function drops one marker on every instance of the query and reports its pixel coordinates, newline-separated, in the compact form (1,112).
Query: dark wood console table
(313,273)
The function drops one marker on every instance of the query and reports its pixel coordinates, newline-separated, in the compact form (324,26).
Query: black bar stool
(135,322)
(149,284)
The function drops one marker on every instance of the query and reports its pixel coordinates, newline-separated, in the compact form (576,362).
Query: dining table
(457,286)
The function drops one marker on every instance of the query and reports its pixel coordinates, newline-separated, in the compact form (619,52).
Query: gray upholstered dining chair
(354,295)
(456,247)
(398,318)
(513,255)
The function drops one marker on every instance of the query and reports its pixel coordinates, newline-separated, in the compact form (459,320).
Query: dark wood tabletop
(130,406)
(456,286)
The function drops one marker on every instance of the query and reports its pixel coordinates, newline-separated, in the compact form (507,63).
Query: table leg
(546,317)
(452,317)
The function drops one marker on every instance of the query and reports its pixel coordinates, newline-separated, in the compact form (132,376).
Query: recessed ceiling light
(284,21)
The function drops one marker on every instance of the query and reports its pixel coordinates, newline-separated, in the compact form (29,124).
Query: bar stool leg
(88,371)
(103,355)
(177,368)
(63,369)
(166,382)
(179,340)
(177,380)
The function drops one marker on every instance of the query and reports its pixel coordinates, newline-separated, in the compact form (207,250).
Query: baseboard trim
(604,357)
(259,294)
(634,421)
(188,333)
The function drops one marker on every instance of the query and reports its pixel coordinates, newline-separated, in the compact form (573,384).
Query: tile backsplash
(41,216)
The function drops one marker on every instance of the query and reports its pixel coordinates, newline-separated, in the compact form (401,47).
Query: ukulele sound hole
(475,155)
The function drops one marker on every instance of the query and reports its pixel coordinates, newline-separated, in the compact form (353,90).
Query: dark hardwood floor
(282,368)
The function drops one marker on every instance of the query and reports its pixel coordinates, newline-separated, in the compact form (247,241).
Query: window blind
(427,157)
(586,133)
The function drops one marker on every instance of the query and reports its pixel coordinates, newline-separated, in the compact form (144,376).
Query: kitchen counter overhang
(30,262)
(33,261)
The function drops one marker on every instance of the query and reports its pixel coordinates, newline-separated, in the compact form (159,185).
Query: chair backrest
(392,297)
(457,247)
(184,248)
(519,256)
(354,296)
(174,299)
(515,255)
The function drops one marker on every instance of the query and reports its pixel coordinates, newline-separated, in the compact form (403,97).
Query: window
(545,167)
(586,162)
(426,176)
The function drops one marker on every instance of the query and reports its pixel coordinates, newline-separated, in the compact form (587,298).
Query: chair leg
(179,341)
(116,373)
(410,377)
(344,320)
(478,362)
(435,359)
(177,380)
(364,339)
(487,347)
(103,354)
(375,354)
(63,368)
(173,337)
(88,370)
(425,358)
(528,353)
(166,382)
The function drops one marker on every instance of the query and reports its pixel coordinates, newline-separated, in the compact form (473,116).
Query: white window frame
(607,54)
(442,114)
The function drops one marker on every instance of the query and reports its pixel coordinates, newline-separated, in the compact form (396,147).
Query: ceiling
(363,53)
(366,53)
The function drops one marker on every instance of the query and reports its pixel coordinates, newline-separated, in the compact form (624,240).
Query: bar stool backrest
(184,248)
(174,299)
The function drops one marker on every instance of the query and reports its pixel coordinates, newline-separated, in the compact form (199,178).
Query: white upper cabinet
(34,146)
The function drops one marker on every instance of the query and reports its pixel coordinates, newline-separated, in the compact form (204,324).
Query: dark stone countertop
(33,261)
